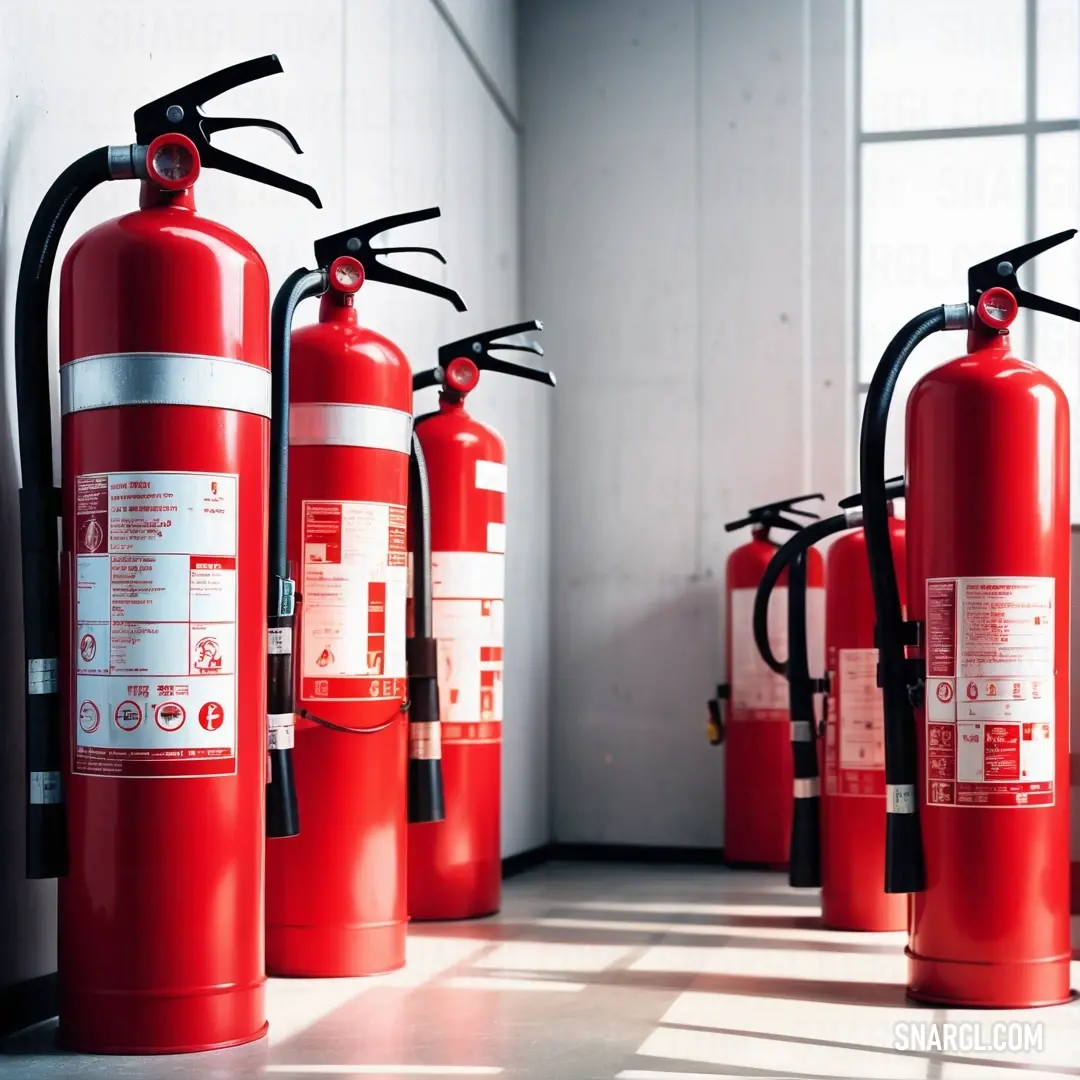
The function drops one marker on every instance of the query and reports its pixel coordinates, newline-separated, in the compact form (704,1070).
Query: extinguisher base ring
(335,951)
(952,983)
(186,1021)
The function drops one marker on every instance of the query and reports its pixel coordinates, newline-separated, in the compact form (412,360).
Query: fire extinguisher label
(758,692)
(855,744)
(352,612)
(491,476)
(155,624)
(990,656)
(467,612)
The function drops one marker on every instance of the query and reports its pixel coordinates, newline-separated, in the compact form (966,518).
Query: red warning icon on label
(944,692)
(972,691)
(128,715)
(211,716)
(207,655)
(89,717)
(169,716)
(87,647)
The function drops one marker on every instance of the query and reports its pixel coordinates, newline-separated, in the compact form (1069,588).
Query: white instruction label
(491,476)
(758,692)
(496,537)
(469,631)
(861,723)
(155,624)
(990,708)
(352,615)
(468,575)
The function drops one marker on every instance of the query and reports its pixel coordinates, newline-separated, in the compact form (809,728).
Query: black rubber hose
(905,870)
(800,542)
(420,499)
(804,862)
(426,800)
(298,286)
(46,832)
(282,807)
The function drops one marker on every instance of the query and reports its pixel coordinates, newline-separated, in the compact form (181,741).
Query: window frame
(1031,127)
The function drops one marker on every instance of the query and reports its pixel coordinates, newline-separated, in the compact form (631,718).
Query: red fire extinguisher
(365,747)
(977,711)
(455,866)
(757,760)
(146,724)
(843,848)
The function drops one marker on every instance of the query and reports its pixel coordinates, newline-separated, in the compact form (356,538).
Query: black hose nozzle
(39,509)
(804,863)
(282,810)
(905,870)
(426,802)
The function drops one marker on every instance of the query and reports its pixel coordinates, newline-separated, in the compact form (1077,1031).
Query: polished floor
(620,973)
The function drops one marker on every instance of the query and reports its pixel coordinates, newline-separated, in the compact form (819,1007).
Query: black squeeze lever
(478,349)
(181,111)
(1001,270)
(357,244)
(772,514)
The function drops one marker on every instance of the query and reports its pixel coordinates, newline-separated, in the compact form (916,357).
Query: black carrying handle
(356,243)
(479,348)
(180,111)
(773,515)
(804,862)
(1000,272)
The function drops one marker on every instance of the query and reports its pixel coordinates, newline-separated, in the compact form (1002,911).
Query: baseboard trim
(635,854)
(524,861)
(28,1002)
(640,854)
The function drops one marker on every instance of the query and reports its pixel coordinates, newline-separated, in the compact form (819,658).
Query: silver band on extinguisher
(900,798)
(46,789)
(282,734)
(369,427)
(115,379)
(801,731)
(807,789)
(42,676)
(425,742)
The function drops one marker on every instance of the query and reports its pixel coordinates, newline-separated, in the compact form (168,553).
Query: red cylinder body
(853,896)
(758,771)
(988,577)
(163,677)
(336,901)
(455,866)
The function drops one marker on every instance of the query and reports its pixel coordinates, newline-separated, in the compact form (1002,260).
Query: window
(968,143)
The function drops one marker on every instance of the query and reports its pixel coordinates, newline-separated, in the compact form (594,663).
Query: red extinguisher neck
(336,306)
(150,196)
(981,339)
(451,401)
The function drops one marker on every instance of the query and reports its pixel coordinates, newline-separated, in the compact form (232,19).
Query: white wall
(384,97)
(672,150)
